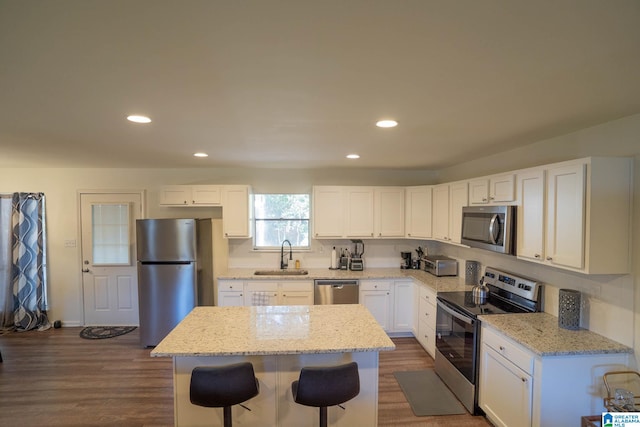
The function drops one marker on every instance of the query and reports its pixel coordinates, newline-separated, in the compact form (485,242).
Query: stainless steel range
(458,327)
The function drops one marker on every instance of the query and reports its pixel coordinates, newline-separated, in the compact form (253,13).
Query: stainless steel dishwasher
(336,291)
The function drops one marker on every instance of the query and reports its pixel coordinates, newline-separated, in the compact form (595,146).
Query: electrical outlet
(70,243)
(321,249)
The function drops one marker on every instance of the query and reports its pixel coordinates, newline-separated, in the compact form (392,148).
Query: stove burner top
(509,293)
(493,305)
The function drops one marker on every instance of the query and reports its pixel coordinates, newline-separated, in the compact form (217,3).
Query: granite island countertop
(438,284)
(273,330)
(540,333)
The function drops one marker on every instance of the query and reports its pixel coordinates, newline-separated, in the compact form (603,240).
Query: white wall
(611,308)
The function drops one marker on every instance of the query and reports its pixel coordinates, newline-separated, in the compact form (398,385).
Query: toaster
(440,265)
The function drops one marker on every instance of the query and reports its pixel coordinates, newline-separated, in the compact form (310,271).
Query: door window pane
(111,241)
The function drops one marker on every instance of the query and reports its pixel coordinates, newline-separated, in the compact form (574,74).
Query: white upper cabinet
(237,211)
(458,198)
(441,212)
(418,212)
(565,215)
(358,212)
(530,222)
(448,200)
(360,208)
(389,211)
(576,215)
(491,190)
(190,195)
(328,212)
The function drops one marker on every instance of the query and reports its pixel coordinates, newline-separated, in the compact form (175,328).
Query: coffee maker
(405,264)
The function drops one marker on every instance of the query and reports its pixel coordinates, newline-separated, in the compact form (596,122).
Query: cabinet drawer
(375,285)
(427,337)
(296,285)
(262,285)
(427,313)
(513,352)
(229,285)
(427,295)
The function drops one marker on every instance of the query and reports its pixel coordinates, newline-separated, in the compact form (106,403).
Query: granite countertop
(438,284)
(272,330)
(540,333)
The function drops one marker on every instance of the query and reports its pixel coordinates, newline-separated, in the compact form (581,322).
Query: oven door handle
(455,314)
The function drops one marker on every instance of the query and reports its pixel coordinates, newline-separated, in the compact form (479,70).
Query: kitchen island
(279,341)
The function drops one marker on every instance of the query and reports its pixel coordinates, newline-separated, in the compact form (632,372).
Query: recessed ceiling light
(200,155)
(139,119)
(386,123)
(353,156)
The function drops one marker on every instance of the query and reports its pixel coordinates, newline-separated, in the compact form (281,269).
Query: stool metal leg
(226,414)
(323,416)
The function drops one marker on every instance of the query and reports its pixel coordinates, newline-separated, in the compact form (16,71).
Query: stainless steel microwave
(489,227)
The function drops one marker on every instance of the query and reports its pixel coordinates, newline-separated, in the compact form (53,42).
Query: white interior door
(109,273)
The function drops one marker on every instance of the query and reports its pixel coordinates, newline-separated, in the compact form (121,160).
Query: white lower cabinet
(376,296)
(520,388)
(506,385)
(230,293)
(402,306)
(272,292)
(264,292)
(426,319)
(390,302)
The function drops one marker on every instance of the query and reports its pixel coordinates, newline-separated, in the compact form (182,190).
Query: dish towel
(260,298)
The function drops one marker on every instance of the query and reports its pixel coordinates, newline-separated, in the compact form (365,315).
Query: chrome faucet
(283,261)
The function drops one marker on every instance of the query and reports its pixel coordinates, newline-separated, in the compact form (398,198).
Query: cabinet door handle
(549,258)
(537,256)
(524,380)
(502,348)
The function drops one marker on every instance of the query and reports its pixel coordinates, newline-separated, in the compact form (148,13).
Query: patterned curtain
(29,269)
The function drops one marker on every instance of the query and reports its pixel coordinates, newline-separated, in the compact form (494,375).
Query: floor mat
(427,394)
(102,332)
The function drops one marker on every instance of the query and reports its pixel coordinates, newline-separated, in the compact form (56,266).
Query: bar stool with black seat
(223,387)
(322,387)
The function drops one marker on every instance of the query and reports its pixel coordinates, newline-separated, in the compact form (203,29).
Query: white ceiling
(299,84)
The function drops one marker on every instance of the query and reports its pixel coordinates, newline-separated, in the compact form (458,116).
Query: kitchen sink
(281,272)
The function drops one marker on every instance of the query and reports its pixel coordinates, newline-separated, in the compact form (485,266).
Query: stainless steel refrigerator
(175,273)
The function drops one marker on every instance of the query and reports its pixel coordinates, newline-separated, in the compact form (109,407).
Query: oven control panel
(519,285)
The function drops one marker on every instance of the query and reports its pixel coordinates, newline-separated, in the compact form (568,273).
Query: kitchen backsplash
(377,253)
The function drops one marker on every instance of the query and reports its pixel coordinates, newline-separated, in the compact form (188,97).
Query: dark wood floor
(56,378)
